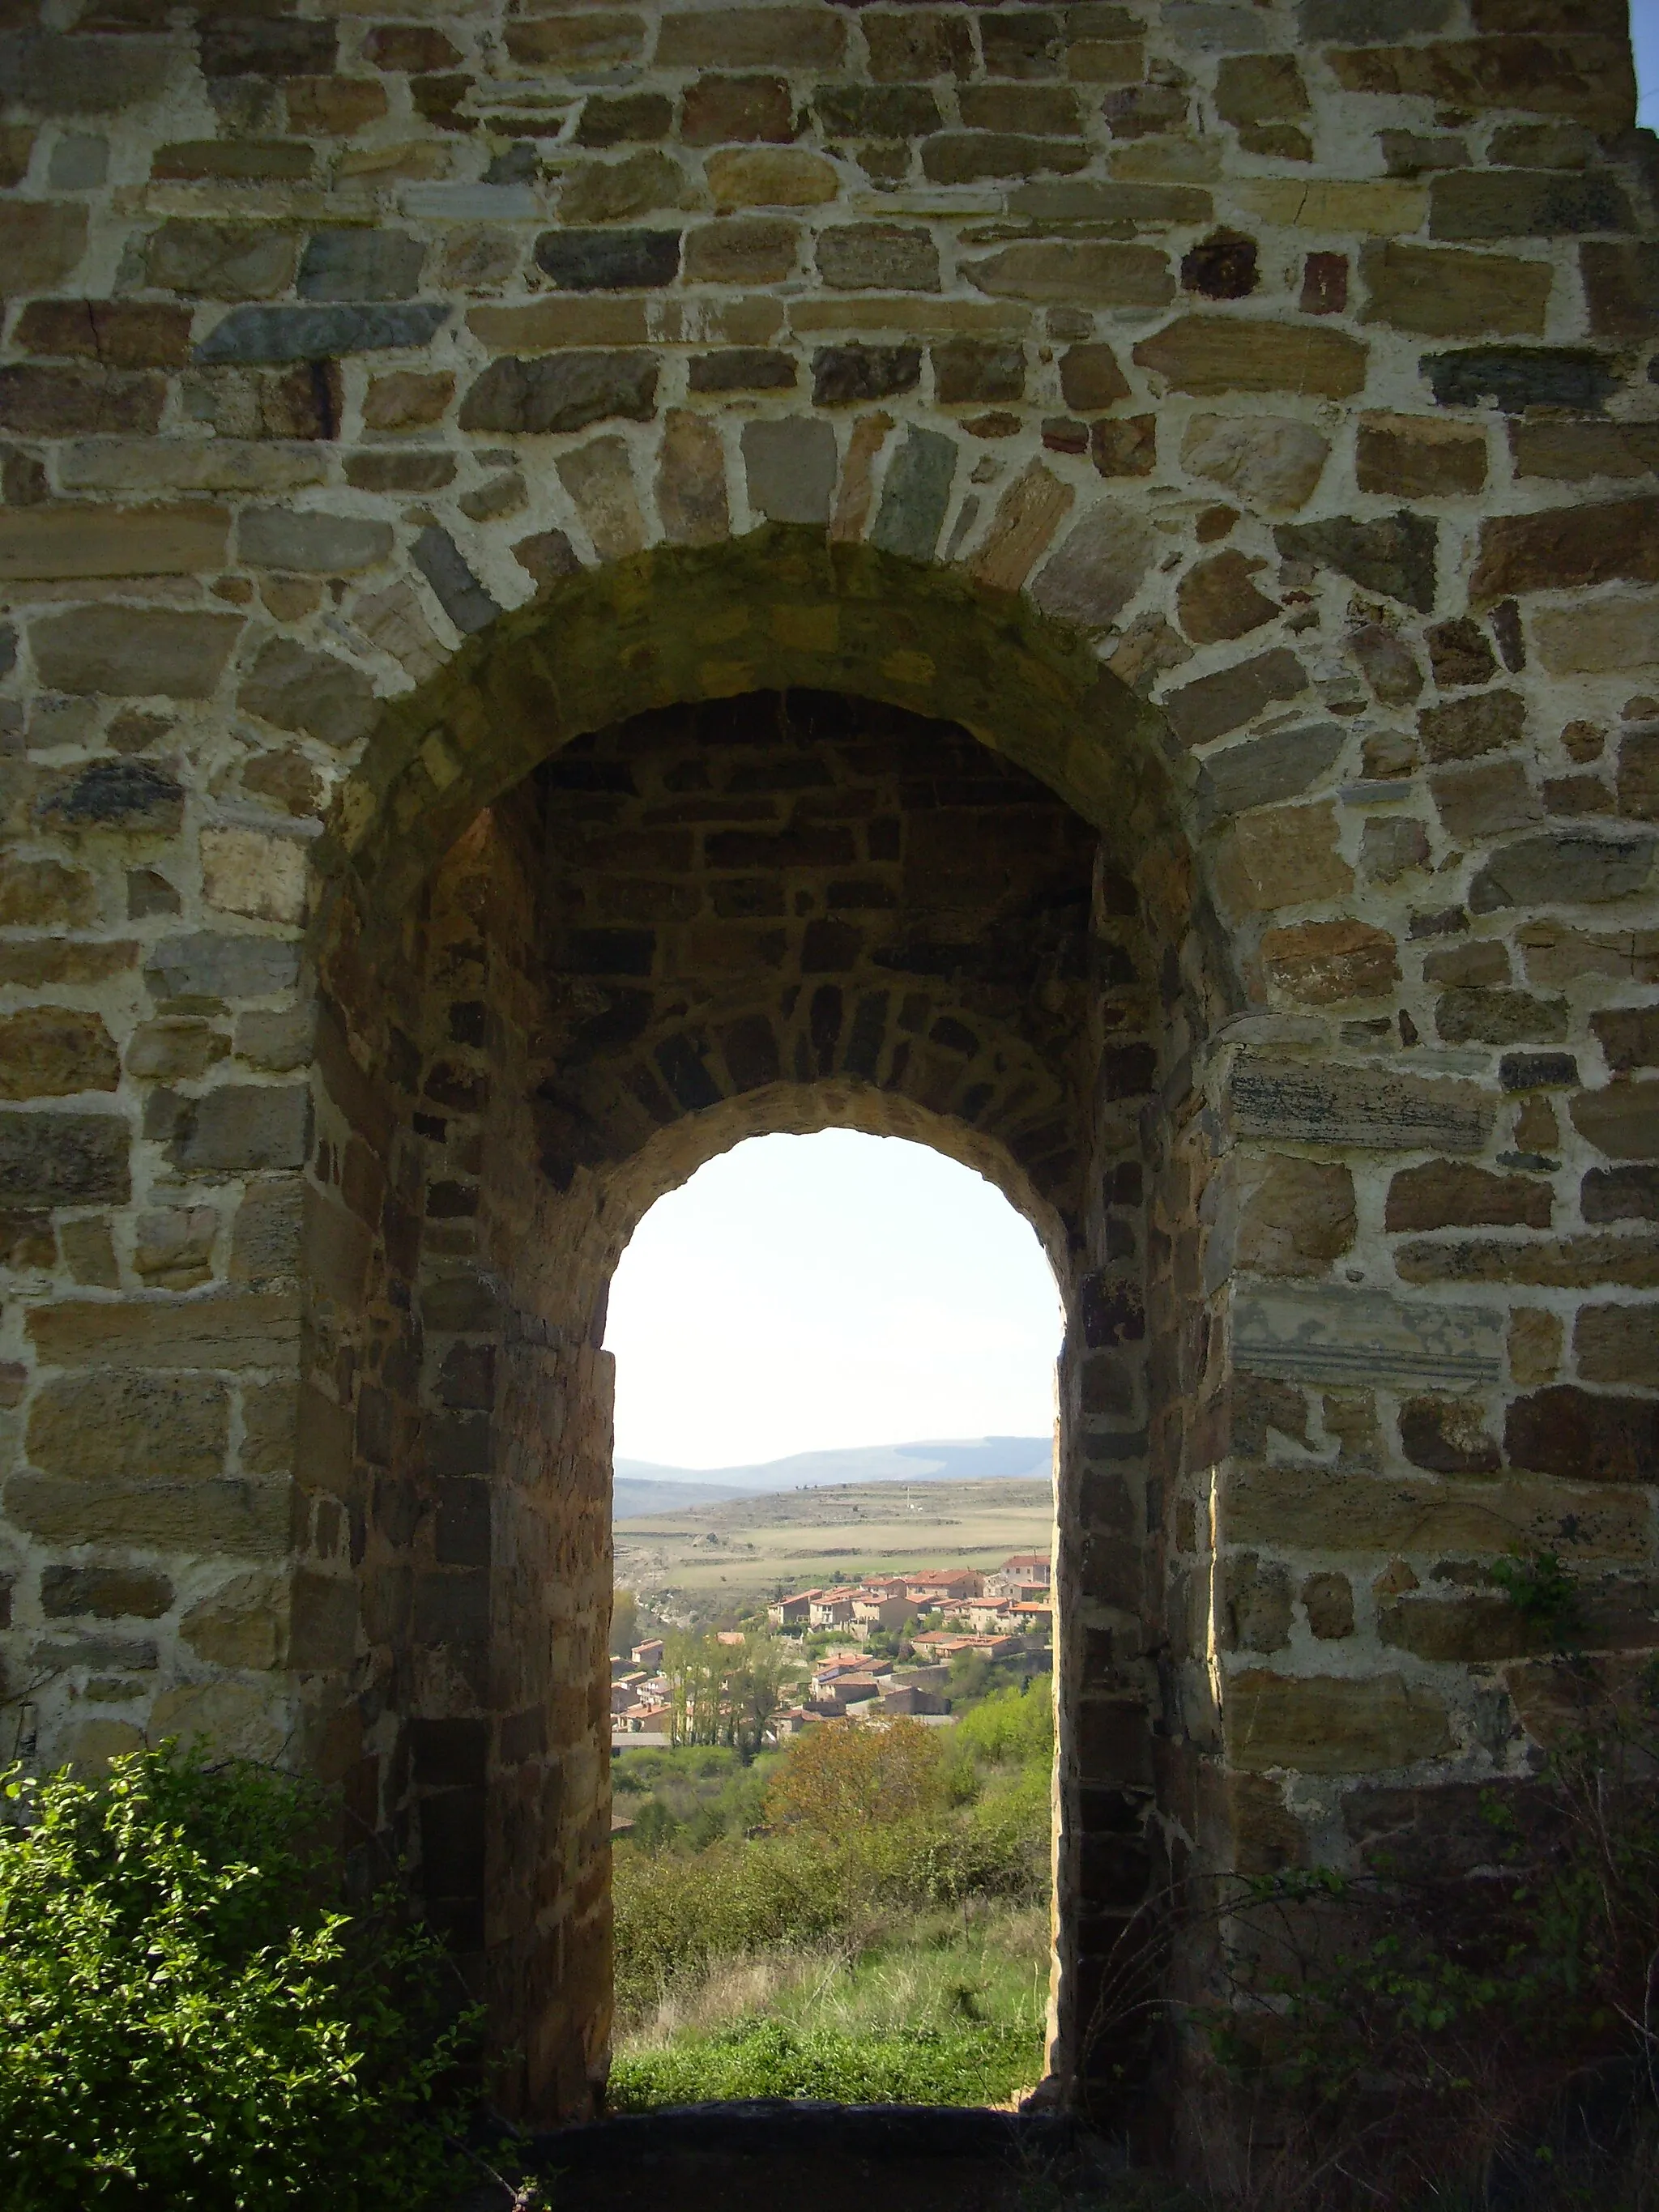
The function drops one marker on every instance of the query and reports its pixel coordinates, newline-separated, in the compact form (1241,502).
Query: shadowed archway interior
(787,910)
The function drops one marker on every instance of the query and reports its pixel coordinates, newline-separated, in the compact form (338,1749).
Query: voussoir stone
(1096,568)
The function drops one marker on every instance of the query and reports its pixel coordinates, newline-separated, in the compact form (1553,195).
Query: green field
(730,1554)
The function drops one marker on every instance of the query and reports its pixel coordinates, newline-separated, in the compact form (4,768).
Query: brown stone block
(1342,1513)
(1297,1216)
(1621,287)
(65,1159)
(107,1424)
(1558,1263)
(1572,452)
(216,1332)
(115,333)
(1317,962)
(1459,1631)
(751,38)
(1446,1436)
(103,1594)
(239,1520)
(1217,600)
(1416,457)
(1589,78)
(1456,1194)
(1282,856)
(1205,354)
(63,403)
(1453,295)
(1619,1344)
(1621,1120)
(1330,1724)
(104,541)
(1565,547)
(1096,275)
(770,177)
(1464,729)
(1216,704)
(1584,1435)
(53,1051)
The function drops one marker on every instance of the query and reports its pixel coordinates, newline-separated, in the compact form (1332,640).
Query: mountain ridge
(647,1486)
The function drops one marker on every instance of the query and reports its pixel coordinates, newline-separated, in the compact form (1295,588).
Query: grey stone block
(462,597)
(321,332)
(791,467)
(560,392)
(360,265)
(65,1159)
(1361,1106)
(915,495)
(243,1127)
(209,964)
(1357,1338)
(313,544)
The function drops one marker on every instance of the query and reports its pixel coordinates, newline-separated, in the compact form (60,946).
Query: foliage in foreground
(186,2020)
(981,2062)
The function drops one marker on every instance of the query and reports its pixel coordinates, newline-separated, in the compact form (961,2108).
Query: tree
(625,1623)
(767,1668)
(844,1773)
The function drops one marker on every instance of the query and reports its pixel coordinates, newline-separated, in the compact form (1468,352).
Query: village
(877,1648)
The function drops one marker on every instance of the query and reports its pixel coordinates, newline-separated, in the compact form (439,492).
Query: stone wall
(1241,420)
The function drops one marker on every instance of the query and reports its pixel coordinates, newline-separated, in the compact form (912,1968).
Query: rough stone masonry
(1079,582)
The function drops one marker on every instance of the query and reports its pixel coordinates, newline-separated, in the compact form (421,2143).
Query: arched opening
(833,1687)
(547,1000)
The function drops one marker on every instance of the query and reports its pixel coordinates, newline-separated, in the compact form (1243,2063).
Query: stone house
(1075,583)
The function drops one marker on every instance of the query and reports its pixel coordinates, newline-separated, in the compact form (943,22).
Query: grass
(944,2006)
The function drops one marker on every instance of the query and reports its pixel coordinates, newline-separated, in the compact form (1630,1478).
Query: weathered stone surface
(1296,1215)
(1395,557)
(691,481)
(179,655)
(1621,286)
(1330,1724)
(1125,445)
(741,251)
(915,495)
(41,241)
(172,1246)
(1600,637)
(1477,203)
(1558,1263)
(360,265)
(295,689)
(1565,868)
(53,1051)
(1300,1104)
(241,1128)
(310,541)
(233,1519)
(65,1159)
(1572,451)
(220,1331)
(1485,800)
(1514,378)
(1462,729)
(791,468)
(1261,770)
(81,75)
(1539,74)
(206,965)
(1474,1014)
(1461,653)
(1216,704)
(1449,295)
(1618,1343)
(242,1623)
(1456,1194)
(1216,599)
(1360,1337)
(1628,1036)
(102,1425)
(1096,568)
(133,796)
(103,1594)
(1102,275)
(1028,514)
(770,177)
(1615,542)
(458,592)
(845,376)
(1319,963)
(1256,1606)
(1622,1120)
(1282,856)
(750,38)
(1207,353)
(189,465)
(1271,462)
(221,260)
(119,333)
(67,542)
(321,332)
(1340,1513)
(1328,1603)
(878,256)
(1417,457)
(1090,377)
(1458,1630)
(254,872)
(560,393)
(45,894)
(609,260)
(1447,1436)
(1583,1435)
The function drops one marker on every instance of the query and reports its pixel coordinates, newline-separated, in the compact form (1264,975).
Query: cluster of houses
(995,1615)
(1014,1601)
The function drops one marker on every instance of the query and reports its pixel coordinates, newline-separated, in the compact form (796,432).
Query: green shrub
(980,2063)
(186,2022)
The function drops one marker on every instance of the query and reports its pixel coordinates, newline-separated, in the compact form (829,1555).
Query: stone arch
(492,1127)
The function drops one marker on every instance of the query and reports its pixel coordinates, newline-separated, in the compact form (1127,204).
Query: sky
(812,1293)
(1644,33)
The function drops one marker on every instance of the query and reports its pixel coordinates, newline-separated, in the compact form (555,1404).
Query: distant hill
(644,1487)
